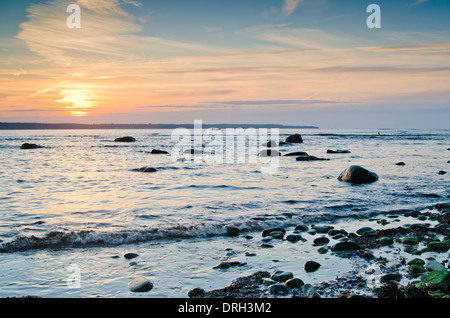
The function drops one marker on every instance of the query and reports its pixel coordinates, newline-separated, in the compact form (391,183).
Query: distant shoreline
(37,126)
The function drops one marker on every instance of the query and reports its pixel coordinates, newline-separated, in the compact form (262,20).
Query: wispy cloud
(289,6)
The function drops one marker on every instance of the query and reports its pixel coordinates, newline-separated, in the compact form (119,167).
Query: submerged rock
(296,153)
(310,291)
(295,138)
(357,174)
(125,139)
(145,169)
(338,151)
(30,146)
(309,158)
(156,152)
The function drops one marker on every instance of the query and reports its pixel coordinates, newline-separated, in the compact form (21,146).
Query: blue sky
(262,60)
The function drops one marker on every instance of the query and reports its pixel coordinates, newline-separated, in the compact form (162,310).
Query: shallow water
(78,201)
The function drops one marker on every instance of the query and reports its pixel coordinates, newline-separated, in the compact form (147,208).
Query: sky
(294,62)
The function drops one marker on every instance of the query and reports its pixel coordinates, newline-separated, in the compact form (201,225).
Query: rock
(267,232)
(294,283)
(321,241)
(391,277)
(438,246)
(140,285)
(311,266)
(267,281)
(301,228)
(358,175)
(269,153)
(365,230)
(295,138)
(386,240)
(439,280)
(279,289)
(400,163)
(30,146)
(266,245)
(416,261)
(309,158)
(442,172)
(157,152)
(333,232)
(226,265)
(322,228)
(125,139)
(232,231)
(338,151)
(145,169)
(297,153)
(346,246)
(277,235)
(196,292)
(310,291)
(281,276)
(410,241)
(130,255)
(294,238)
(323,250)
(416,269)
(433,265)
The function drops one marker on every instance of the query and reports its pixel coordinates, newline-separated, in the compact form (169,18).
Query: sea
(71,210)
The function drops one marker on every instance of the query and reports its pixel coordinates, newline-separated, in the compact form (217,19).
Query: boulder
(439,280)
(140,285)
(311,266)
(442,172)
(30,146)
(295,138)
(401,163)
(281,276)
(346,246)
(357,174)
(157,152)
(267,232)
(294,283)
(125,139)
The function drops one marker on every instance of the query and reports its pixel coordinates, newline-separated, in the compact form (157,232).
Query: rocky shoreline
(420,268)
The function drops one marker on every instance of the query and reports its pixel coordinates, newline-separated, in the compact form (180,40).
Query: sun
(80,101)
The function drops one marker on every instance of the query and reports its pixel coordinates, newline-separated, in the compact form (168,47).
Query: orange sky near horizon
(111,66)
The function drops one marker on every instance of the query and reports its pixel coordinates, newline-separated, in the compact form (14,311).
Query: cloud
(289,6)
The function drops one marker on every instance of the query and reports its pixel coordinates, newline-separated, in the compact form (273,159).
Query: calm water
(79,201)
